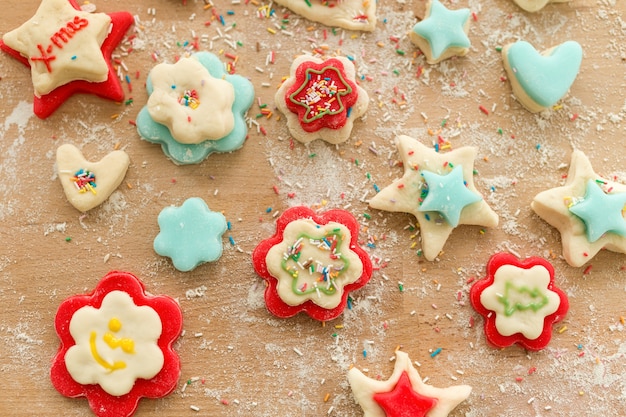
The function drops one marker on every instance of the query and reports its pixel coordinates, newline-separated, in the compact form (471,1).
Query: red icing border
(102,403)
(330,121)
(273,301)
(110,89)
(491,332)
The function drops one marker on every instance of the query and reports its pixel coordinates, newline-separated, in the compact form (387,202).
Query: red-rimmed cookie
(68,58)
(311,263)
(519,301)
(116,346)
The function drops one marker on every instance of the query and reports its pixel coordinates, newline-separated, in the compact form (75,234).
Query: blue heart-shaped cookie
(540,80)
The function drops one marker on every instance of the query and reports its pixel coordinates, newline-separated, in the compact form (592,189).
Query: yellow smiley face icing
(115,344)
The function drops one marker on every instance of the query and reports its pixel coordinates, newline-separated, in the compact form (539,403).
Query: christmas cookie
(443,33)
(190,234)
(540,80)
(195,108)
(404,394)
(311,263)
(438,189)
(68,52)
(588,210)
(321,99)
(116,346)
(347,14)
(88,184)
(536,5)
(519,301)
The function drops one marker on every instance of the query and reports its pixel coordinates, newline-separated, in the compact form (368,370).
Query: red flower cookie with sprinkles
(116,346)
(519,301)
(68,51)
(311,263)
(321,99)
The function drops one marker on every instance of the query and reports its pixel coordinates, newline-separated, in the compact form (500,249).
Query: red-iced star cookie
(69,52)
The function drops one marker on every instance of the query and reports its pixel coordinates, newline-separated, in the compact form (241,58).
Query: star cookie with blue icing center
(588,211)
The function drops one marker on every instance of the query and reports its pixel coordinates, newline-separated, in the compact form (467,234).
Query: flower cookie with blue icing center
(443,33)
(195,108)
(540,80)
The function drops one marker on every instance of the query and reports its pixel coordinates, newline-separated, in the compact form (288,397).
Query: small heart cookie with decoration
(88,184)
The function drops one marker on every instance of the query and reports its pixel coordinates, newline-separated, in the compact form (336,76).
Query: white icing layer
(521,300)
(347,264)
(115,344)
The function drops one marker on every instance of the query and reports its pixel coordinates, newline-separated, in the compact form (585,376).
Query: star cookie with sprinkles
(588,210)
(438,189)
(69,52)
(404,393)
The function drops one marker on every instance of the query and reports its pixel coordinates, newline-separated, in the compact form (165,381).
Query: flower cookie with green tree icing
(438,189)
(321,99)
(116,346)
(540,80)
(312,263)
(519,301)
(588,210)
(195,108)
(69,52)
(443,33)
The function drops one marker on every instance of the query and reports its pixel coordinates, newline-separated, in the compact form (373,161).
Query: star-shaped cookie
(68,52)
(588,210)
(438,189)
(404,393)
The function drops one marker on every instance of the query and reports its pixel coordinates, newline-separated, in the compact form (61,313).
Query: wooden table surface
(249,360)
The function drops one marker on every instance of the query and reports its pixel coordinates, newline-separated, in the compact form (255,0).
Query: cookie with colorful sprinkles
(321,99)
(116,345)
(347,14)
(312,263)
(536,5)
(68,52)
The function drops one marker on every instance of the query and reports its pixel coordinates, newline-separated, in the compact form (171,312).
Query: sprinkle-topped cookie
(443,33)
(68,52)
(116,346)
(347,14)
(588,210)
(540,80)
(321,99)
(404,394)
(88,184)
(438,189)
(519,301)
(195,108)
(312,263)
(190,234)
(536,5)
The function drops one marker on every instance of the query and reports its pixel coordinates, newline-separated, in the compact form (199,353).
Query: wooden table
(240,359)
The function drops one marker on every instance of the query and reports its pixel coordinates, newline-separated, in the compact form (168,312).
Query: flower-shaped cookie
(311,263)
(195,108)
(438,189)
(404,394)
(116,346)
(588,210)
(519,301)
(190,234)
(69,52)
(443,33)
(347,14)
(321,99)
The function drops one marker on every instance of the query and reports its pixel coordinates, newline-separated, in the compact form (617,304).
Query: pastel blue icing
(443,28)
(448,195)
(181,153)
(190,234)
(601,212)
(546,79)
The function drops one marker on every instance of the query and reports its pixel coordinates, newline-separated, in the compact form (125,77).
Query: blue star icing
(601,212)
(443,28)
(448,195)
(190,234)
